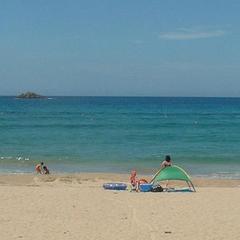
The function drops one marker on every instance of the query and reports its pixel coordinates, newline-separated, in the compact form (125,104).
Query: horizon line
(130,96)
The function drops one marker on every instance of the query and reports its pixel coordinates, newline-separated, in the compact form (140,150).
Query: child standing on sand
(166,163)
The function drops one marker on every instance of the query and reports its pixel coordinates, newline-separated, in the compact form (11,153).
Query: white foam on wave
(8,157)
(225,175)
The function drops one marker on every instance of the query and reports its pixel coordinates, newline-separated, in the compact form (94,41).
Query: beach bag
(157,189)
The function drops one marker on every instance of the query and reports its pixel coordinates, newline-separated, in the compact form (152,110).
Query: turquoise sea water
(116,134)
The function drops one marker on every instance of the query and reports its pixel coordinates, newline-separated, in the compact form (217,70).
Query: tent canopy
(172,173)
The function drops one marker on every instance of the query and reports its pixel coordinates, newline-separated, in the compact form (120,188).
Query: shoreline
(23,179)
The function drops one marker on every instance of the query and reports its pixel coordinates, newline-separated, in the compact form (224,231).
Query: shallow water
(74,134)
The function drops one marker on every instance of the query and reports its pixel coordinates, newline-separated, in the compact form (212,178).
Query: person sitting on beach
(135,183)
(39,167)
(133,180)
(45,170)
(167,162)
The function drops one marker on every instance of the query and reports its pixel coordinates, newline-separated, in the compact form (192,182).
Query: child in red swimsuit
(133,180)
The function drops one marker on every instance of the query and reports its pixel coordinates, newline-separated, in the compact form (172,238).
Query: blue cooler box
(145,187)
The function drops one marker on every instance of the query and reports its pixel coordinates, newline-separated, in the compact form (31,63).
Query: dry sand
(77,207)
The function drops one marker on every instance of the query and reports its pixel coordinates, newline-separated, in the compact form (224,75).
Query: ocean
(117,134)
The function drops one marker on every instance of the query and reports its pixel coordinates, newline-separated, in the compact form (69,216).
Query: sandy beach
(77,207)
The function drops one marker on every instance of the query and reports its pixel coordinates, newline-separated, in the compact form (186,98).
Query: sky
(120,48)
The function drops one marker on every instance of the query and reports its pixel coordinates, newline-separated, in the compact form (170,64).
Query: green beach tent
(173,173)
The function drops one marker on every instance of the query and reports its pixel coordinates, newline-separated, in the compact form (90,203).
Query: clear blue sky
(127,47)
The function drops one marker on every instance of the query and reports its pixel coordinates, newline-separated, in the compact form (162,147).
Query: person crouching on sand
(39,168)
(45,170)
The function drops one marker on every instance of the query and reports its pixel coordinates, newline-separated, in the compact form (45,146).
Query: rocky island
(30,95)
